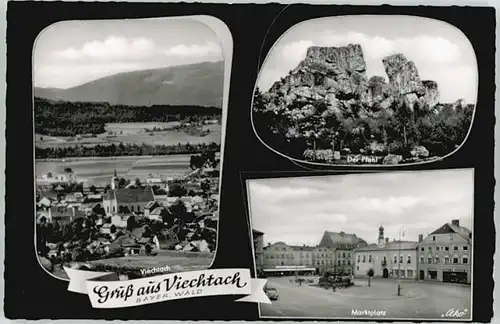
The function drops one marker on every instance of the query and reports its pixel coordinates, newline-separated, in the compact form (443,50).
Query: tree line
(75,118)
(123,150)
(398,129)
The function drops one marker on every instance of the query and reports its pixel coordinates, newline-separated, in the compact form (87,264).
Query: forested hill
(199,84)
(72,118)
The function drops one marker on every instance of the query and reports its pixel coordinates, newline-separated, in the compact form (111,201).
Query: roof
(151,204)
(257,233)
(340,240)
(452,228)
(124,241)
(130,195)
(157,210)
(393,245)
(302,248)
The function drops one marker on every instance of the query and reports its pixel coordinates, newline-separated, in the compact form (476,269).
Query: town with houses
(443,256)
(149,218)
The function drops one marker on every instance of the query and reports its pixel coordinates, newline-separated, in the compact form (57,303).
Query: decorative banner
(105,290)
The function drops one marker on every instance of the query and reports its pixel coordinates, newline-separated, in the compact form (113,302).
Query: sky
(298,210)
(440,51)
(71,53)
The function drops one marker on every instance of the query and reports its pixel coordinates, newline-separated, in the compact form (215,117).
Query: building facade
(258,246)
(281,254)
(388,259)
(342,245)
(445,254)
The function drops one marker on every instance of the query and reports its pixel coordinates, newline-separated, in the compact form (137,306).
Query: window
(422,249)
(455,248)
(451,237)
(446,260)
(358,258)
(364,258)
(455,260)
(409,259)
(107,208)
(401,259)
(322,262)
(433,238)
(343,262)
(339,255)
(132,208)
(282,256)
(395,259)
(348,262)
(409,273)
(429,248)
(317,263)
(349,254)
(114,209)
(421,259)
(429,260)
(465,260)
(343,254)
(437,248)
(357,268)
(465,247)
(436,260)
(338,262)
(369,258)
(446,248)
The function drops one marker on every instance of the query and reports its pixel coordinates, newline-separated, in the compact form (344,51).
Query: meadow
(134,133)
(98,171)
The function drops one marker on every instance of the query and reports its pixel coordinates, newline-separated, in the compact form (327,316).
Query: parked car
(272,293)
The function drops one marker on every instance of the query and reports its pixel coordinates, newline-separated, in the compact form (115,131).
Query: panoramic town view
(362,90)
(365,245)
(127,146)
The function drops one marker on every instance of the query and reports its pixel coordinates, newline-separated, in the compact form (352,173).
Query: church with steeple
(126,201)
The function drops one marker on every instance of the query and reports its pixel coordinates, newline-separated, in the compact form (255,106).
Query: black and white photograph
(367,90)
(128,128)
(374,246)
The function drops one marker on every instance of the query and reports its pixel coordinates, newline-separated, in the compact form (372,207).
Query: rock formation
(338,74)
(329,91)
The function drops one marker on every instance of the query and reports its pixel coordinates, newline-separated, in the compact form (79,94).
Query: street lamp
(401,233)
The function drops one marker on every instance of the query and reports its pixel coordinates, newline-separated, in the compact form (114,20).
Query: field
(177,261)
(98,171)
(134,133)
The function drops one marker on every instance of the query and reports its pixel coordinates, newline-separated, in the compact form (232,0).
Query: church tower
(114,181)
(381,236)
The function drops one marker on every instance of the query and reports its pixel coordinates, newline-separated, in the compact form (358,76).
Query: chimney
(455,222)
(420,238)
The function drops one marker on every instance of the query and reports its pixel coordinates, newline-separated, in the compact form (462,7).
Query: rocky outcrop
(345,58)
(403,75)
(405,80)
(337,76)
(431,96)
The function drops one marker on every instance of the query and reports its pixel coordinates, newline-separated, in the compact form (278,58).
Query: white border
(333,166)
(368,319)
(226,40)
